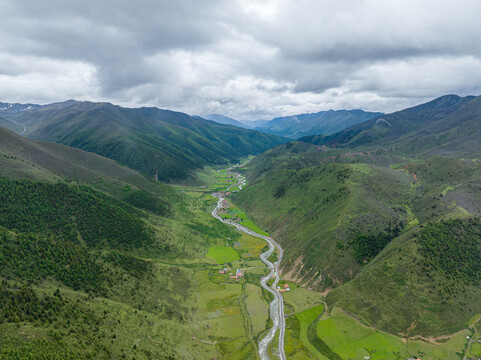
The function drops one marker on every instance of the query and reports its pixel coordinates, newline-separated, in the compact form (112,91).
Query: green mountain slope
(221,119)
(447,126)
(70,212)
(427,282)
(390,231)
(330,218)
(428,277)
(22,158)
(352,227)
(293,155)
(160,143)
(88,259)
(323,122)
(4,123)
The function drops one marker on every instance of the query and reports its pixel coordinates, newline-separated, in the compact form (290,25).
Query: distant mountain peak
(382,123)
(448,125)
(12,108)
(322,122)
(221,119)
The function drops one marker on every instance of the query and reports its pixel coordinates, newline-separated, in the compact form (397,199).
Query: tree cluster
(69,212)
(454,248)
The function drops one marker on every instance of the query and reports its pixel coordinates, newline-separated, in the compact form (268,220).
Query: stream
(276,307)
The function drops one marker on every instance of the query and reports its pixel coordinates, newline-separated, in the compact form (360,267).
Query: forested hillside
(430,281)
(21,158)
(88,252)
(75,213)
(384,218)
(163,144)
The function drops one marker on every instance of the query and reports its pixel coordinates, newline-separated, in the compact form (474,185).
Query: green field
(222,254)
(213,180)
(301,307)
(236,213)
(350,339)
(249,246)
(219,180)
(300,299)
(305,318)
(232,314)
(339,336)
(257,308)
(475,350)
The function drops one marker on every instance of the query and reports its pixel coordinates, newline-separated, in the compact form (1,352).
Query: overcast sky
(241,58)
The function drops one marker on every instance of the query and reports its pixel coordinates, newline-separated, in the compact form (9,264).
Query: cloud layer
(243,58)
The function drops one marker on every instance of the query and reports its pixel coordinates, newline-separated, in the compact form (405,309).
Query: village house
(237,275)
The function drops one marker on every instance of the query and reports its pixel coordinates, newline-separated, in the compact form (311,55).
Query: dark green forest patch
(71,211)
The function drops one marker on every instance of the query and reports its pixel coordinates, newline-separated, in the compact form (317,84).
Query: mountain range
(383,216)
(449,125)
(221,119)
(381,219)
(12,108)
(323,122)
(296,126)
(163,144)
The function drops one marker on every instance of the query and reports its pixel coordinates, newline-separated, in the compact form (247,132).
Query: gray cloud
(243,58)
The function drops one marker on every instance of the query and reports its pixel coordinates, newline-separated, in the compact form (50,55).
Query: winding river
(276,308)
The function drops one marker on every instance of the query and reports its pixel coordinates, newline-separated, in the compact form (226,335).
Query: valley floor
(313,331)
(194,306)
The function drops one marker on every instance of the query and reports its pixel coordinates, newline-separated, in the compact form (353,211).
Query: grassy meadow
(235,214)
(232,313)
(318,334)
